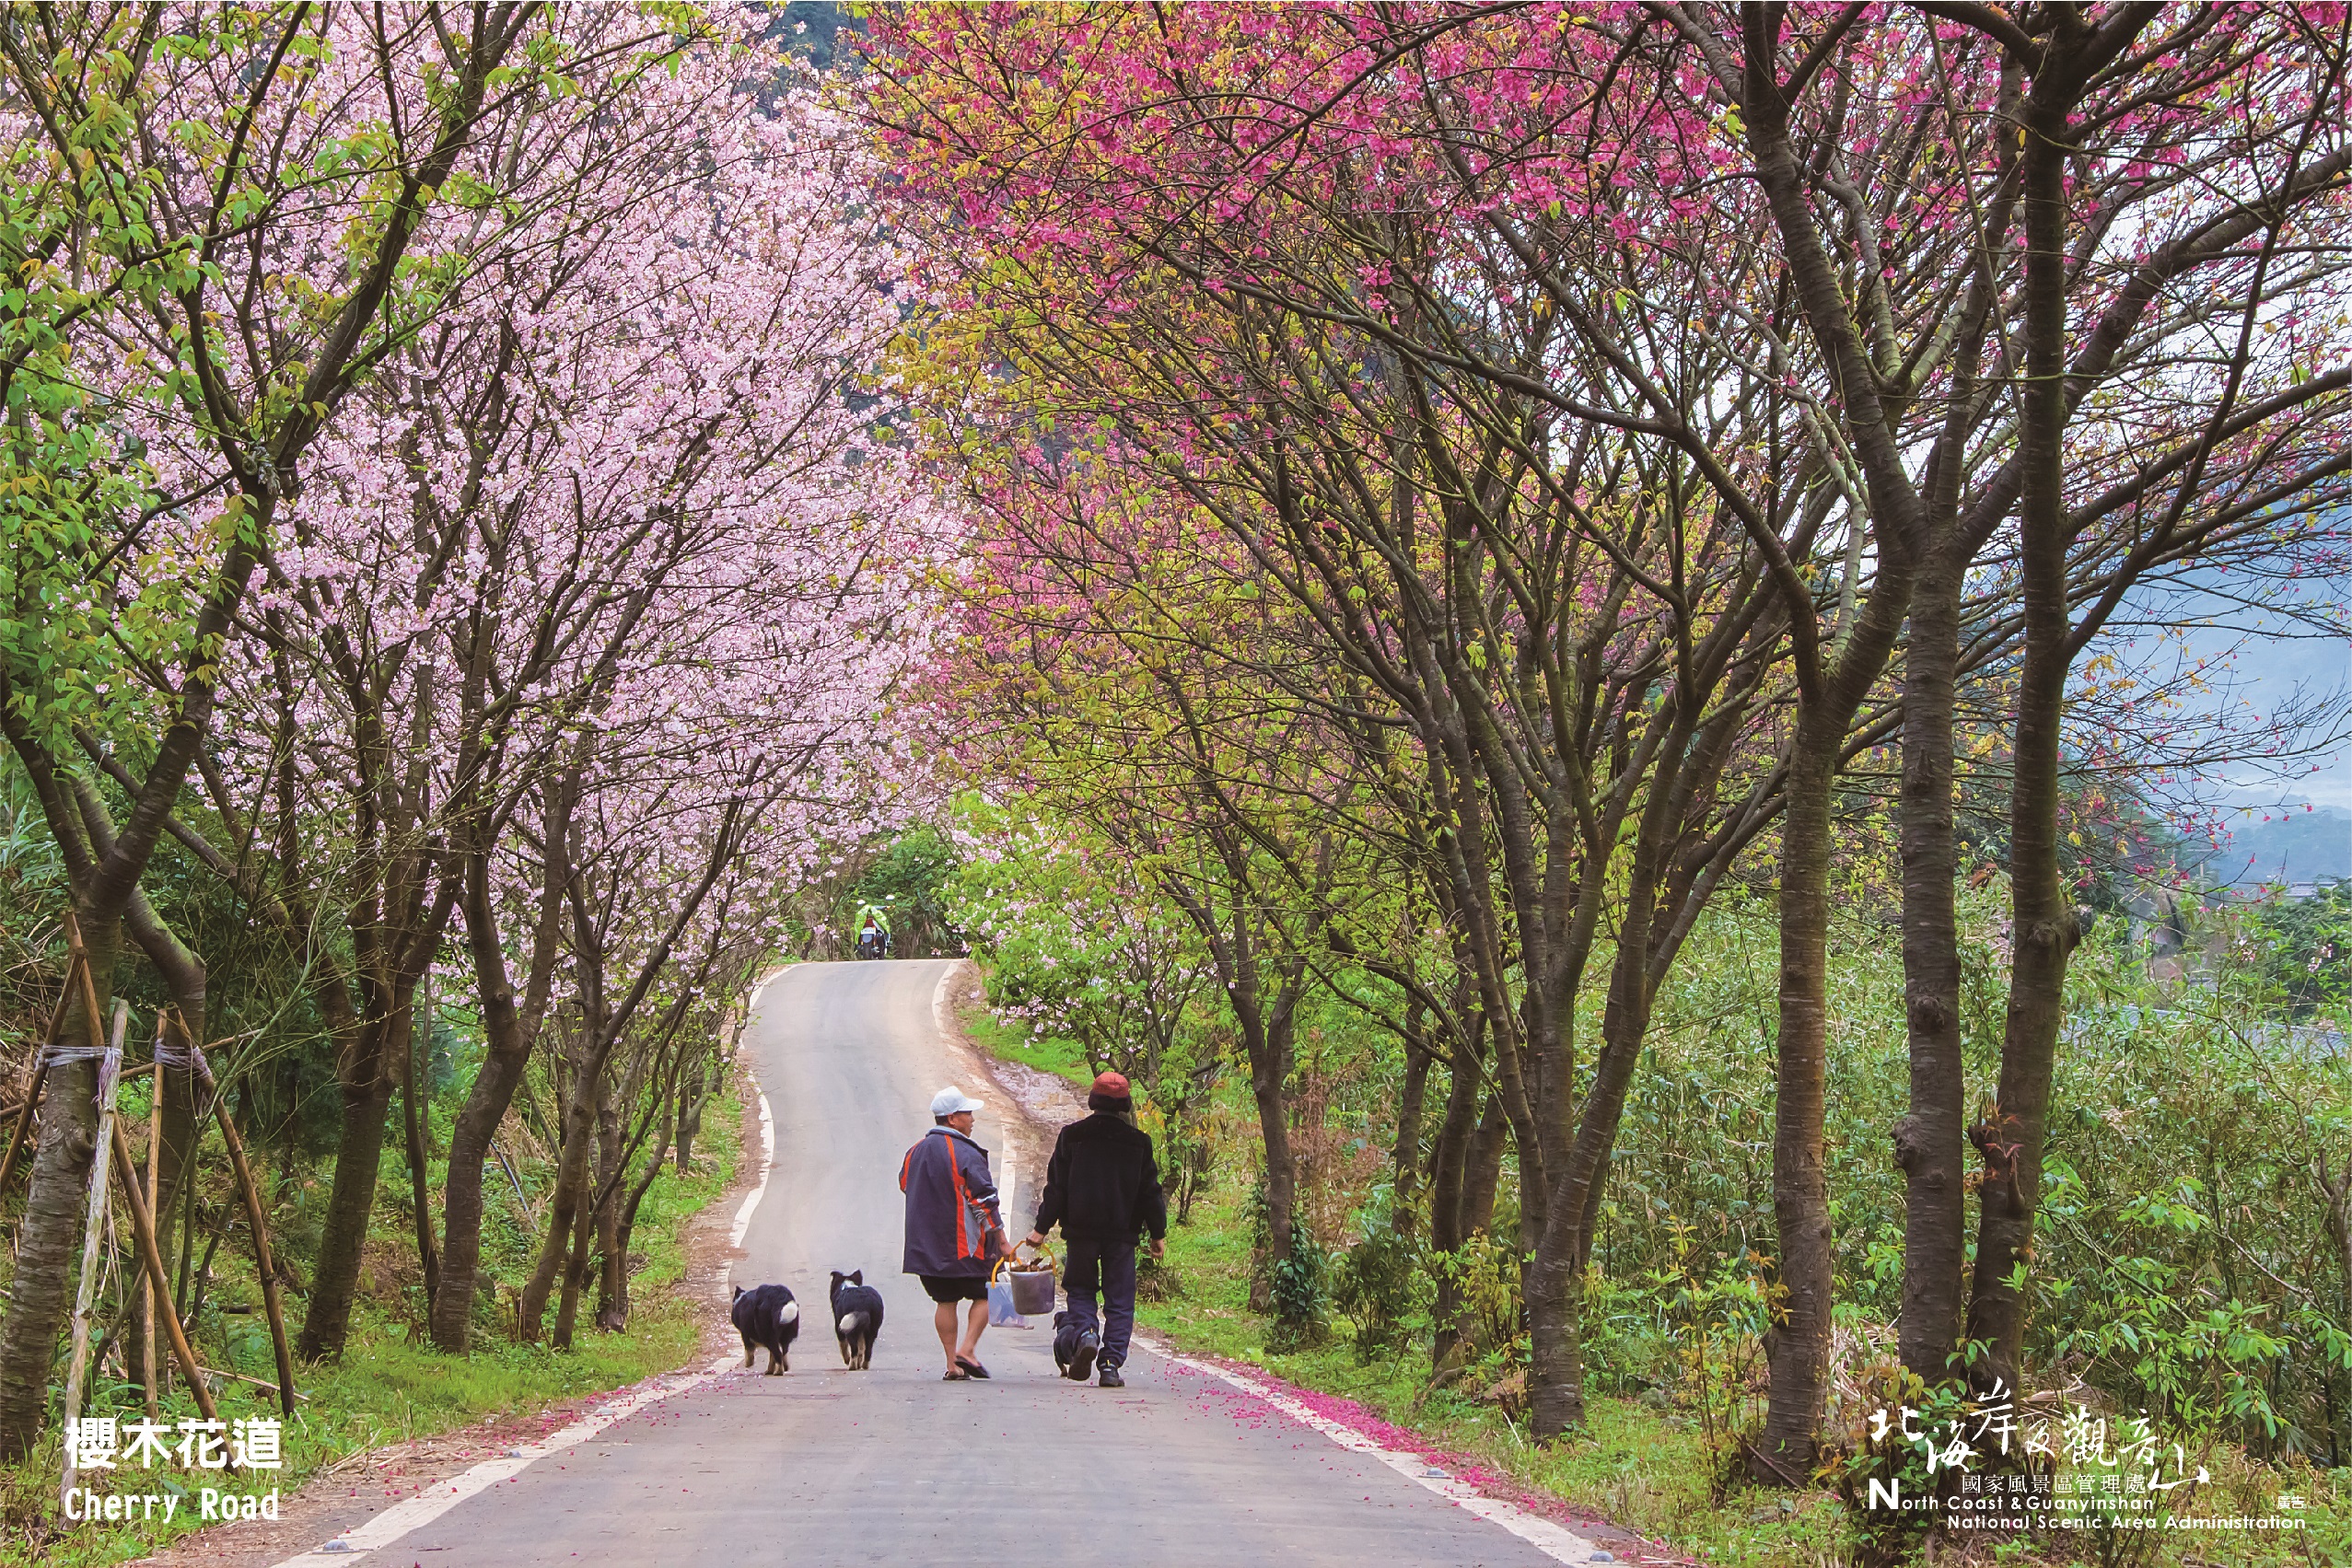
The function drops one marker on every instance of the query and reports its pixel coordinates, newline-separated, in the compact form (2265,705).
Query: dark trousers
(1104,1268)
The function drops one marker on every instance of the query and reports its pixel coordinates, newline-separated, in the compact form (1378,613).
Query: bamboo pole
(143,1227)
(146,1287)
(90,984)
(262,1383)
(251,1194)
(93,1234)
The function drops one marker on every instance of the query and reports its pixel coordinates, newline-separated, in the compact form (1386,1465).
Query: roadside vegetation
(2190,1273)
(1601,643)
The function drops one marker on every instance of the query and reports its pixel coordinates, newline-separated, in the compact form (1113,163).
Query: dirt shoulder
(1033,1106)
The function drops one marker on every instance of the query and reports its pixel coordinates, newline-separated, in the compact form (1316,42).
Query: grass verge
(1010,1042)
(1641,1464)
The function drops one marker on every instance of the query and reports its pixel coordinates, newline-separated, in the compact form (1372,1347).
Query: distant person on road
(953,1229)
(1102,1187)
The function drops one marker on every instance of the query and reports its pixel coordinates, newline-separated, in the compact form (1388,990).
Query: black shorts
(947,1289)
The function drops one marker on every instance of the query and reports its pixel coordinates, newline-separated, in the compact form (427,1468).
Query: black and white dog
(857,1319)
(767,1316)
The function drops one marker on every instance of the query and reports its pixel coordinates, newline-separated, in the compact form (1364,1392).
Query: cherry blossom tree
(232,206)
(627,473)
(483,449)
(1715,244)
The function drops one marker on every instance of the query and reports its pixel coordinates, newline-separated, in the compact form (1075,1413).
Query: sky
(2288,658)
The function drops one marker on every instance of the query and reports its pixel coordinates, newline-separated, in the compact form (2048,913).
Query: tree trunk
(612,1269)
(572,1180)
(367,1095)
(1555,1288)
(1267,1071)
(1555,1373)
(1449,1164)
(416,1122)
(509,1029)
(51,1231)
(1798,1345)
(470,1139)
(691,1085)
(628,1226)
(1449,1152)
(1405,1158)
(1927,1140)
(574,1271)
(1484,1178)
(2042,924)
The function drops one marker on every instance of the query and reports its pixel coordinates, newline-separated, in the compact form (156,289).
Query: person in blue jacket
(954,1231)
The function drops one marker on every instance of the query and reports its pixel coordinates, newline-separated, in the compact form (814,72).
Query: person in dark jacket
(1103,1188)
(953,1229)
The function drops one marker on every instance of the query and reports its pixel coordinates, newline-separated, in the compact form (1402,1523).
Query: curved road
(824,1466)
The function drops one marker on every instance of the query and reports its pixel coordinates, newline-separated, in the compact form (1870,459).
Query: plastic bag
(1000,1304)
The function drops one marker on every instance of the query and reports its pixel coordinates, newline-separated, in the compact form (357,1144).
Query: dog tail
(791,1313)
(852,1321)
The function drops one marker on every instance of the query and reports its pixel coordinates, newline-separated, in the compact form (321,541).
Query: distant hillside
(2294,845)
(807,28)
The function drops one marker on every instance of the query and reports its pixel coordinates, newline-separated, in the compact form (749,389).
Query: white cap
(951,1100)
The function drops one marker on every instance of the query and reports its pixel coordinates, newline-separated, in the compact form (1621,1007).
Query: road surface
(825,1466)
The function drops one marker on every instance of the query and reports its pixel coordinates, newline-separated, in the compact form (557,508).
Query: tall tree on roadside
(1914,142)
(175,186)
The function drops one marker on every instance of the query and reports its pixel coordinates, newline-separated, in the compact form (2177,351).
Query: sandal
(955,1375)
(971,1367)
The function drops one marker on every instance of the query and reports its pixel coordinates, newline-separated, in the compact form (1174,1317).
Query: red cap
(1111,1084)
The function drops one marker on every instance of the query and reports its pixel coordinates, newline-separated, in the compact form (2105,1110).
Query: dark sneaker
(1082,1357)
(1110,1378)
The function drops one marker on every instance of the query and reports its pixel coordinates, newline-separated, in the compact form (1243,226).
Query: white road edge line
(759,1188)
(400,1518)
(1558,1543)
(939,995)
(417,1512)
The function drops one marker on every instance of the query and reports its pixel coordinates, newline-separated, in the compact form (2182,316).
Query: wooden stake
(143,1227)
(93,1234)
(254,1217)
(146,1290)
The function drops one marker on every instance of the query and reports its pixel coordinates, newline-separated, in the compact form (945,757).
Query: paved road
(893,1465)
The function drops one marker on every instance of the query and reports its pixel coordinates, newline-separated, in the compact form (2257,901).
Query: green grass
(388,1387)
(1011,1042)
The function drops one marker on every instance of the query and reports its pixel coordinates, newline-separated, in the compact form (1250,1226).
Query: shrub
(1379,1283)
